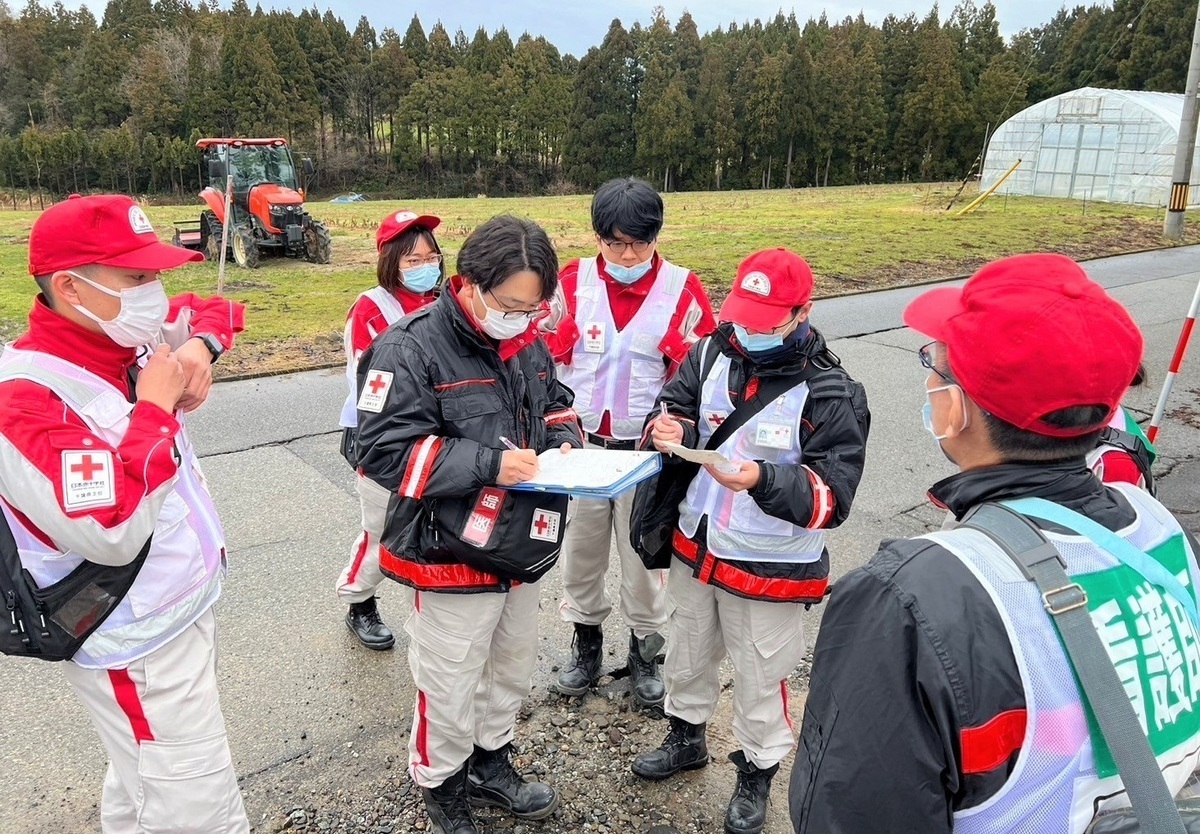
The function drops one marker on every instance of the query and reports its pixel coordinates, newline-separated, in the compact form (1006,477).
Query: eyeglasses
(925,352)
(618,247)
(528,315)
(412,262)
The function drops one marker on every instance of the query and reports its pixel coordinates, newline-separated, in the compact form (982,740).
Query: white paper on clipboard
(702,456)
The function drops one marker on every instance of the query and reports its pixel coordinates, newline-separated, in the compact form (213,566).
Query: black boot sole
(378,647)
(658,777)
(478,800)
(573,692)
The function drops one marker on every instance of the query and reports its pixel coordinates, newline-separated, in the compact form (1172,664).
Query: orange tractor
(267,212)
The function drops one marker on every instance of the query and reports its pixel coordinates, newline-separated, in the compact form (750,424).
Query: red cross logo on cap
(757,283)
(405,216)
(87,467)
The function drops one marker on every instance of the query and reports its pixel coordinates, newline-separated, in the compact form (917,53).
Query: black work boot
(492,782)
(747,812)
(364,623)
(583,671)
(447,806)
(684,748)
(644,681)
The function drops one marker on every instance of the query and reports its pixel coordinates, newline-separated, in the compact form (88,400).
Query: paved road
(293,683)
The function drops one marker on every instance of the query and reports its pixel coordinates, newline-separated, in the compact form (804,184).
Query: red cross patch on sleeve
(87,480)
(375,391)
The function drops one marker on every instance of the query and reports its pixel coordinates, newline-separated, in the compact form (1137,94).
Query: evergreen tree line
(119,104)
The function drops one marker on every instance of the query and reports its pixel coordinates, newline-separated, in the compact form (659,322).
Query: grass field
(855,238)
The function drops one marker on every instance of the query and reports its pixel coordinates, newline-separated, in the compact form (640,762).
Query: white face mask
(498,327)
(140,319)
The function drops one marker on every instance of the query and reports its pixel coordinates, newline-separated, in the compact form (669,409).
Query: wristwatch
(212,343)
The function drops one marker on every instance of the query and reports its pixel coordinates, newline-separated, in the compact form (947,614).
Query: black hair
(1139,376)
(387,268)
(505,245)
(43,285)
(628,205)
(1017,444)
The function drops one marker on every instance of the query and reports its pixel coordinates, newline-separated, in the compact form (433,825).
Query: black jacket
(835,425)
(911,653)
(451,398)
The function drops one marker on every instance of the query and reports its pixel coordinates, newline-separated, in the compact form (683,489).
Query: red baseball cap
(106,229)
(394,224)
(768,285)
(1031,334)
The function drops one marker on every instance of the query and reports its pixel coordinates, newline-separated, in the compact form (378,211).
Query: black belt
(609,443)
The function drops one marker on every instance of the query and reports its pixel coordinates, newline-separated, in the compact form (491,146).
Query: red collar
(509,347)
(51,333)
(411,301)
(641,286)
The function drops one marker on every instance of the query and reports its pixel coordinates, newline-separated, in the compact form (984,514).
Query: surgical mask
(757,342)
(927,413)
(627,274)
(421,278)
(498,327)
(141,317)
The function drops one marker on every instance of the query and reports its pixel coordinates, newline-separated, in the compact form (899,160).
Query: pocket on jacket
(463,407)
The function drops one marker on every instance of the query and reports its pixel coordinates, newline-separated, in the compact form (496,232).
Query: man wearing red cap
(97,469)
(409,271)
(749,551)
(942,698)
(630,318)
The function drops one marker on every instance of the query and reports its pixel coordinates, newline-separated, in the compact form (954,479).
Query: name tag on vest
(773,436)
(593,337)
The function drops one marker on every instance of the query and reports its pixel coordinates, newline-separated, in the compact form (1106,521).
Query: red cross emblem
(541,524)
(595,331)
(376,383)
(87,467)
(716,419)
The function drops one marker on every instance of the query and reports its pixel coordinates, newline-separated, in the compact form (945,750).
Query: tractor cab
(266,203)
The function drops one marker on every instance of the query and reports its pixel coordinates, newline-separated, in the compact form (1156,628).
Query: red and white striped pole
(1181,347)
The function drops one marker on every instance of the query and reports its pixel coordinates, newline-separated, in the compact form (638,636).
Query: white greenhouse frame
(1115,146)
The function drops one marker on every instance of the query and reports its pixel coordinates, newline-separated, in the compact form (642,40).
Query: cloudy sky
(573,26)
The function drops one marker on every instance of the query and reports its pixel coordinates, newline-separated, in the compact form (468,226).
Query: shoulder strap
(1066,602)
(766,393)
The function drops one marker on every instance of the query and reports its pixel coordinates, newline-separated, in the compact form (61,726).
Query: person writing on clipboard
(438,391)
(747,552)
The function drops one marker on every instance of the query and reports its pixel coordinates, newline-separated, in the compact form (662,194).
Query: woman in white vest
(409,271)
(749,550)
(96,466)
(941,697)
(631,316)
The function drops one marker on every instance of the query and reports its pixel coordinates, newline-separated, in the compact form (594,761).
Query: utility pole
(1186,148)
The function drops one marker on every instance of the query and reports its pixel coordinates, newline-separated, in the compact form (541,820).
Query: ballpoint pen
(509,444)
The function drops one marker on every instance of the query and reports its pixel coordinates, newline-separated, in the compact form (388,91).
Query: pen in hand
(516,465)
(508,444)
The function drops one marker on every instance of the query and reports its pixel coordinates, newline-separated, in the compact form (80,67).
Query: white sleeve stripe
(416,472)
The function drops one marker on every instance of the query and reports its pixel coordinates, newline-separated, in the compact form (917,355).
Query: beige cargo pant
(472,658)
(169,767)
(764,641)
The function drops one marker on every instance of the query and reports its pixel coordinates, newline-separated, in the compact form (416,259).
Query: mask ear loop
(962,399)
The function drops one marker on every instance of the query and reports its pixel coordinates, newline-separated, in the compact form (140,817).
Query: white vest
(181,577)
(392,313)
(737,528)
(620,372)
(1055,787)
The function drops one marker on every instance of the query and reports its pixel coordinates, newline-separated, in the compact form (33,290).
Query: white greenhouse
(1117,146)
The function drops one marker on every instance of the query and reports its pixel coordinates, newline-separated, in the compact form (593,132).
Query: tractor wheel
(245,250)
(318,244)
